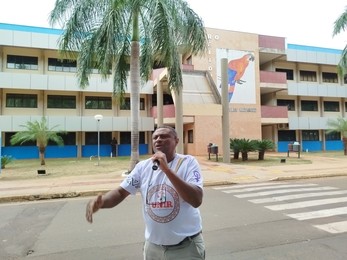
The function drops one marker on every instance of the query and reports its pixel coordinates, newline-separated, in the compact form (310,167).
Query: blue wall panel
(333,145)
(312,146)
(21,152)
(66,151)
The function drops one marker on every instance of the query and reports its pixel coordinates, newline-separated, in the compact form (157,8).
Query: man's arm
(191,193)
(109,200)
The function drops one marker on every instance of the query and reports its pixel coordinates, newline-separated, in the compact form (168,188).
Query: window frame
(330,77)
(304,104)
(61,101)
(330,106)
(62,65)
(22,62)
(24,100)
(98,102)
(308,76)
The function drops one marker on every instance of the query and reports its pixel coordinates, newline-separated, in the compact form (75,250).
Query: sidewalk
(214,173)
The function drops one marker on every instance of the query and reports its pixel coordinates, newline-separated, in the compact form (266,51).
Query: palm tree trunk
(134,102)
(244,156)
(42,155)
(135,91)
(344,139)
(261,154)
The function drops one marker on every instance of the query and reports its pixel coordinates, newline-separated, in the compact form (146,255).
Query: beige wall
(244,124)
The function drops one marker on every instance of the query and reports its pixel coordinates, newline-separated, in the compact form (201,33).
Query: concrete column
(160,114)
(225,111)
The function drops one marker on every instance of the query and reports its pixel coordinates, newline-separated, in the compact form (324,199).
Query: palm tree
(340,25)
(245,146)
(262,146)
(39,132)
(339,125)
(143,33)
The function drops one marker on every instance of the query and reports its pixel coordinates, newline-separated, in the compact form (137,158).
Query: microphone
(155,165)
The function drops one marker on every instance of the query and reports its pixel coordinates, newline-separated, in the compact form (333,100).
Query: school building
(276,90)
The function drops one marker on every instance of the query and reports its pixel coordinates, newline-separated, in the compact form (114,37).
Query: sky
(303,22)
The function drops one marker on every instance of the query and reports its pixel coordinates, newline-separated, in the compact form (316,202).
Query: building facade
(276,91)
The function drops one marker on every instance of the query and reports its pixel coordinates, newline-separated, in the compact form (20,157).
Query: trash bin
(214,149)
(296,147)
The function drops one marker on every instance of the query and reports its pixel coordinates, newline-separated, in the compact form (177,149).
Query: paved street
(245,221)
(214,173)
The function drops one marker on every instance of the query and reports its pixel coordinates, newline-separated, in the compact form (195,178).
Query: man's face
(164,140)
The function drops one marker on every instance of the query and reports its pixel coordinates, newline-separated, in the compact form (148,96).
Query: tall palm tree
(340,25)
(129,35)
(339,125)
(39,132)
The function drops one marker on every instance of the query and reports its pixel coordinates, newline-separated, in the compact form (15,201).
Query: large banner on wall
(241,75)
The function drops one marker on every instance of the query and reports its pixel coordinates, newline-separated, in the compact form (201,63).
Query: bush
(5,160)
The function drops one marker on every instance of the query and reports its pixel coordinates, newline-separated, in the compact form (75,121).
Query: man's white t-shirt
(168,218)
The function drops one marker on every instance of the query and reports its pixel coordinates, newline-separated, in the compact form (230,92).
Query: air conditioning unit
(283,126)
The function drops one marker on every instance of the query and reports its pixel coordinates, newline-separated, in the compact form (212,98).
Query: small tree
(39,132)
(245,146)
(262,146)
(234,146)
(6,159)
(339,125)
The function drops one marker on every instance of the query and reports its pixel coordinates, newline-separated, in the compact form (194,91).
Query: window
(334,136)
(91,138)
(68,139)
(290,73)
(308,105)
(330,77)
(62,65)
(345,106)
(286,135)
(190,136)
(125,138)
(287,103)
(126,104)
(167,99)
(308,76)
(21,100)
(98,103)
(8,137)
(22,62)
(331,106)
(310,135)
(57,101)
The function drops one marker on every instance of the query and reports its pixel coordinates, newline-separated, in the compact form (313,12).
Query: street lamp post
(98,118)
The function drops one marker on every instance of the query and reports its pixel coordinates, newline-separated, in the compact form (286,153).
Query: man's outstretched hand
(93,206)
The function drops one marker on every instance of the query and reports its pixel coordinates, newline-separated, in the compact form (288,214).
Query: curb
(64,195)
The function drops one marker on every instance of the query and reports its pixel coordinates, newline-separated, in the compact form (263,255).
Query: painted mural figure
(236,69)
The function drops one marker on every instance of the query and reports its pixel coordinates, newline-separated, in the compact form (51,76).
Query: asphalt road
(289,220)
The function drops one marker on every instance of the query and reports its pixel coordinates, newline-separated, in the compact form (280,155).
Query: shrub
(6,159)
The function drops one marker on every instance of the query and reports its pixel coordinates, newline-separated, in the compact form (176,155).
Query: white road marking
(305,204)
(238,186)
(334,228)
(270,187)
(300,196)
(266,193)
(319,213)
